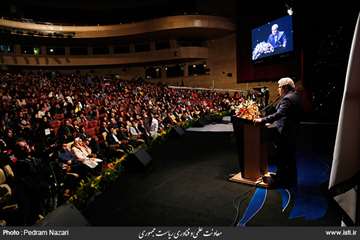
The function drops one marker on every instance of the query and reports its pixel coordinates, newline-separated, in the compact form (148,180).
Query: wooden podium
(252,142)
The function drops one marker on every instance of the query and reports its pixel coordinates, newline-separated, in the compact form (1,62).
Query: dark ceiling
(89,12)
(110,11)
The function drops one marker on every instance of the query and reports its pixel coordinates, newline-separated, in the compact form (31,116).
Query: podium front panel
(252,152)
(252,143)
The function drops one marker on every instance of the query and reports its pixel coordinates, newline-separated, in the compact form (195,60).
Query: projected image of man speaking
(279,41)
(277,38)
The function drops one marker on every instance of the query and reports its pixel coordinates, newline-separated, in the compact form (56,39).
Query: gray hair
(275,26)
(286,82)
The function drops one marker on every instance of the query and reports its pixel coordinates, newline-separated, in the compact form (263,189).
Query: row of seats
(91,127)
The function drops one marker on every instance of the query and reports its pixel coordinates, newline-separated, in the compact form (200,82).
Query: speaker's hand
(257,120)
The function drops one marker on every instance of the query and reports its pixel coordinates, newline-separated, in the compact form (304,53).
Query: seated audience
(74,125)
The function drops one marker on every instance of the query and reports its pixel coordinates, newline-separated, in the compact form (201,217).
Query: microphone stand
(270,105)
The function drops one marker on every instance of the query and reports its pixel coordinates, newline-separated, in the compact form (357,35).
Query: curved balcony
(167,55)
(193,25)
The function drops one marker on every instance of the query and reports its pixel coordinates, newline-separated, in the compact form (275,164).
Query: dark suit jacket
(286,117)
(111,140)
(279,42)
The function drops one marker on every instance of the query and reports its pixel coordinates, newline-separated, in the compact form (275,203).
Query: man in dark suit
(277,38)
(286,121)
(115,144)
(31,183)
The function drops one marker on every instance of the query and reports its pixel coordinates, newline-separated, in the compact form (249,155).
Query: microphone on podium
(263,111)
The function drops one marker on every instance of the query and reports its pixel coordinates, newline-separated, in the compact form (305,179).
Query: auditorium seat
(91,132)
(55,124)
(59,116)
(92,124)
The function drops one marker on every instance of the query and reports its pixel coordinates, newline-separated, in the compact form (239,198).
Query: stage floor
(187,184)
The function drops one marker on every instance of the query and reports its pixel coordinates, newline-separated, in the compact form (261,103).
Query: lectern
(252,144)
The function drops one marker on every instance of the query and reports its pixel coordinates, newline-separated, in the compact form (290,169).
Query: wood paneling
(182,53)
(209,24)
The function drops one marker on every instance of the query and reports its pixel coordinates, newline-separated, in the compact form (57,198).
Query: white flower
(247,110)
(262,48)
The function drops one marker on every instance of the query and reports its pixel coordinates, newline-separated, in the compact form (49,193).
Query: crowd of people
(54,124)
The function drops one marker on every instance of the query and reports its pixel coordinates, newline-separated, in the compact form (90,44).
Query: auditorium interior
(119,113)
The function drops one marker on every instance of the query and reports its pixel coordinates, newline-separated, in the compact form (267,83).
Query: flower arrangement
(248,110)
(262,48)
(95,184)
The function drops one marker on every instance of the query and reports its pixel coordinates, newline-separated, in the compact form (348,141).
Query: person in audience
(31,188)
(143,131)
(115,145)
(9,138)
(72,169)
(83,154)
(66,132)
(104,128)
(66,156)
(154,127)
(135,134)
